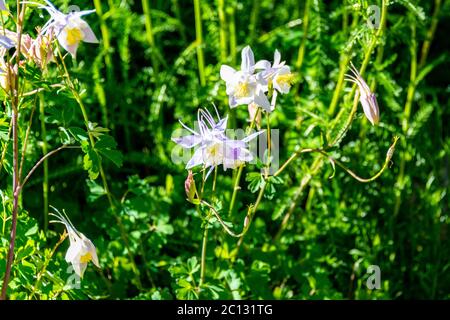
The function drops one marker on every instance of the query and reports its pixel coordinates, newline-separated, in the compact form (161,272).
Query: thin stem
(237,180)
(45,165)
(47,261)
(269,146)
(232,31)
(430,34)
(43,160)
(254,18)
(150,37)
(301,49)
(389,155)
(107,53)
(203,258)
(14,91)
(223,30)
(199,40)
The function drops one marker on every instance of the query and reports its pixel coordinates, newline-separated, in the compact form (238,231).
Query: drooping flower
(81,249)
(69,29)
(244,86)
(213,147)
(366,97)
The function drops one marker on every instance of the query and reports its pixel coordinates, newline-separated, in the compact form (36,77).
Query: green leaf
(106,146)
(91,163)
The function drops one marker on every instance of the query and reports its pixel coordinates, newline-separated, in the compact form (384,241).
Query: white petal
(227,73)
(62,39)
(248,60)
(74,251)
(276,58)
(252,136)
(89,35)
(262,64)
(188,141)
(261,100)
(196,159)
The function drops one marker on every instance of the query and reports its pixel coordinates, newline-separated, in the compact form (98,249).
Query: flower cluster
(69,29)
(253,83)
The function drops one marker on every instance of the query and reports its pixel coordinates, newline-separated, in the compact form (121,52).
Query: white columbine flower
(243,86)
(69,29)
(81,249)
(279,76)
(366,97)
(213,146)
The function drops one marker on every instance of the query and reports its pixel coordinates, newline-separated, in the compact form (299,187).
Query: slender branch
(45,157)
(230,232)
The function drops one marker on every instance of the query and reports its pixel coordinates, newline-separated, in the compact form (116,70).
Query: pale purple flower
(366,97)
(213,147)
(3,5)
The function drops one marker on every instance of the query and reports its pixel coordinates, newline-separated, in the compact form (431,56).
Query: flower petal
(227,73)
(248,60)
(188,141)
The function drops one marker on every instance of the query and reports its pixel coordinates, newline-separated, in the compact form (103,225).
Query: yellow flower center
(242,90)
(285,79)
(86,258)
(213,150)
(74,36)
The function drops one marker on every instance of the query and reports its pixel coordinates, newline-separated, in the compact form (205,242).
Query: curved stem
(389,155)
(237,180)
(231,233)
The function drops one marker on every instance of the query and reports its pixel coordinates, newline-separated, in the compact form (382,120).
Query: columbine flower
(3,5)
(213,146)
(366,97)
(245,87)
(278,76)
(81,249)
(69,29)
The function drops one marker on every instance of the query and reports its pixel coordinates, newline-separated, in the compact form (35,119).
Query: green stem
(45,163)
(237,180)
(149,33)
(254,19)
(301,49)
(223,30)
(108,61)
(203,258)
(199,40)
(232,30)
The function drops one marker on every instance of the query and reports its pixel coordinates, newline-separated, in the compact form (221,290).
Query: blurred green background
(145,75)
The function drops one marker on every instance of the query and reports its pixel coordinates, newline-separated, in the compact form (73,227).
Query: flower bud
(189,187)
(366,96)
